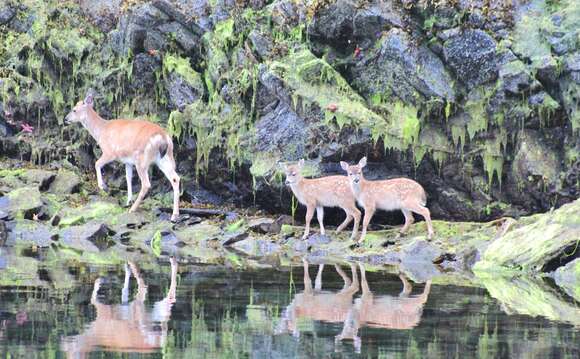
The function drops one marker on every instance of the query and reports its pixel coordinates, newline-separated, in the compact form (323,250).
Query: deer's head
(354,172)
(80,112)
(293,172)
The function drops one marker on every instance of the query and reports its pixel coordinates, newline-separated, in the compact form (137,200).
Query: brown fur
(331,191)
(398,193)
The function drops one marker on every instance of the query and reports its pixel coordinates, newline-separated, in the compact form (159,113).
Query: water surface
(216,312)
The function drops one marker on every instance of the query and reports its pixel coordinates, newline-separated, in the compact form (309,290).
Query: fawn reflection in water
(369,310)
(128,327)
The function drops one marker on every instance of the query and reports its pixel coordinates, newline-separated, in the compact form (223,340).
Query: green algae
(182,67)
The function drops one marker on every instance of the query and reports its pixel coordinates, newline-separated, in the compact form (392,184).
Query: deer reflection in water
(317,304)
(384,311)
(128,327)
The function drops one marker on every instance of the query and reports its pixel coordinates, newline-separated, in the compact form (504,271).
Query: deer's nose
(356,180)
(287,182)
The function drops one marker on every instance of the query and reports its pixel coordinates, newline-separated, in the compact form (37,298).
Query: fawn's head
(354,172)
(293,172)
(80,112)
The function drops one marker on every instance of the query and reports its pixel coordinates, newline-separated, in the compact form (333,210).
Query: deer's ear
(89,99)
(301,163)
(362,162)
(344,165)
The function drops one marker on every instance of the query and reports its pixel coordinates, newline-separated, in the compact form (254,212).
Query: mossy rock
(99,210)
(24,202)
(535,242)
(65,182)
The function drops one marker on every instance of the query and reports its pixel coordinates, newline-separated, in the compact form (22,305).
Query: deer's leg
(141,286)
(145,186)
(318,279)
(407,288)
(101,162)
(356,214)
(309,215)
(96,288)
(320,217)
(424,211)
(129,176)
(167,166)
(345,278)
(363,277)
(369,212)
(307,280)
(408,220)
(345,222)
(125,290)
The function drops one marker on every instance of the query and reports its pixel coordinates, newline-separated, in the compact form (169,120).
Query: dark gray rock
(261,225)
(229,239)
(65,182)
(144,68)
(420,251)
(185,38)
(103,13)
(405,69)
(91,237)
(300,245)
(283,131)
(181,93)
(318,239)
(29,232)
(515,77)
(369,21)
(257,247)
(7,12)
(288,13)
(534,160)
(472,54)
(261,43)
(3,232)
(198,195)
(191,14)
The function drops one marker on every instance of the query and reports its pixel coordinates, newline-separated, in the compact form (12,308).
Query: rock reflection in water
(128,327)
(383,311)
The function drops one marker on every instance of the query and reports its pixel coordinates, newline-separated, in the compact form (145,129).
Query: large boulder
(405,69)
(25,202)
(472,54)
(534,159)
(103,13)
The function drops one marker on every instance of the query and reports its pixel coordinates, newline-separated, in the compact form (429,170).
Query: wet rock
(261,225)
(377,17)
(420,251)
(229,239)
(535,241)
(198,195)
(318,239)
(472,55)
(288,12)
(300,245)
(25,202)
(283,131)
(18,178)
(567,277)
(515,77)
(65,182)
(404,68)
(91,237)
(333,23)
(3,233)
(4,215)
(261,43)
(7,12)
(103,13)
(535,159)
(144,68)
(181,92)
(257,247)
(30,232)
(184,37)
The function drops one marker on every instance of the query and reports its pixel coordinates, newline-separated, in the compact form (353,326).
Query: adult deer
(398,193)
(317,304)
(385,311)
(128,327)
(330,191)
(135,143)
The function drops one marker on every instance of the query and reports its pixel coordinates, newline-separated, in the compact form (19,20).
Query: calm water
(215,312)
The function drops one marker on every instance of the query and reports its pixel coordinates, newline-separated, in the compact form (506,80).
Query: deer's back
(328,307)
(393,193)
(126,138)
(330,191)
(391,312)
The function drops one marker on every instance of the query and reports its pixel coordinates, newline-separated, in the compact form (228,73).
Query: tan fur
(385,311)
(331,191)
(398,193)
(135,143)
(127,327)
(317,304)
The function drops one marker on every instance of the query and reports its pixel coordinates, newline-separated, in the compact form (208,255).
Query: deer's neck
(95,124)
(297,189)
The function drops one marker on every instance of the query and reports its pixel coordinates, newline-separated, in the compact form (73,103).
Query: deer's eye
(293,174)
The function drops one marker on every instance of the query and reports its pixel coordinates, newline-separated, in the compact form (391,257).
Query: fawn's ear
(362,162)
(344,165)
(301,163)
(89,99)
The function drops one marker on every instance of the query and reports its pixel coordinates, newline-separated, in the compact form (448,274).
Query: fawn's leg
(369,212)
(407,288)
(345,278)
(424,211)
(167,166)
(145,185)
(129,176)
(307,280)
(125,290)
(345,222)
(363,277)
(356,214)
(318,279)
(408,220)
(309,215)
(102,161)
(320,217)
